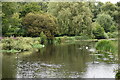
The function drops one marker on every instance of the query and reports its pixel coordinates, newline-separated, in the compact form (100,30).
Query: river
(75,60)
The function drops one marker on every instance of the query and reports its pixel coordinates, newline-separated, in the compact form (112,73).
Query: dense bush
(98,31)
(20,43)
(43,38)
(35,23)
(105,20)
(106,35)
(113,28)
(112,34)
(57,40)
(106,46)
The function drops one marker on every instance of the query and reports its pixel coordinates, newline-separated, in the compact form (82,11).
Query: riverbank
(21,44)
(78,38)
(96,40)
(63,61)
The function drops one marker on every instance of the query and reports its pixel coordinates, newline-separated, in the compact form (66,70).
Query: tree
(73,18)
(43,38)
(15,27)
(29,7)
(95,8)
(105,20)
(109,8)
(112,10)
(36,23)
(117,14)
(10,13)
(98,31)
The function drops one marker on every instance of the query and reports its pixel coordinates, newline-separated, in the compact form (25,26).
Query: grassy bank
(107,46)
(20,44)
(78,38)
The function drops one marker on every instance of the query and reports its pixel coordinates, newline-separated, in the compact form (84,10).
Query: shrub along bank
(20,44)
(107,46)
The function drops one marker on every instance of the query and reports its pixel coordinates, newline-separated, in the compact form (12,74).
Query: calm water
(76,60)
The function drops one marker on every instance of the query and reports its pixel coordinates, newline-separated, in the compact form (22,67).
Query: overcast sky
(113,1)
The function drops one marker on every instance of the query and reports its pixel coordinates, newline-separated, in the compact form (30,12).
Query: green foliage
(43,38)
(16,20)
(63,39)
(109,8)
(10,17)
(66,38)
(105,21)
(83,37)
(60,19)
(116,14)
(117,76)
(37,23)
(106,46)
(70,39)
(24,44)
(106,35)
(113,28)
(20,43)
(10,51)
(113,34)
(95,8)
(17,44)
(29,7)
(37,46)
(73,18)
(32,7)
(98,31)
(7,43)
(57,40)
(14,28)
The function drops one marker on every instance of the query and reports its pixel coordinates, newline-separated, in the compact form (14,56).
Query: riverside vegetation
(88,30)
(56,22)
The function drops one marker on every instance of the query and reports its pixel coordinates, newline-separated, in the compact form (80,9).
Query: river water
(77,60)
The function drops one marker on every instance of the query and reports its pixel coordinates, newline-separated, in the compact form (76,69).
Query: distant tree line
(95,20)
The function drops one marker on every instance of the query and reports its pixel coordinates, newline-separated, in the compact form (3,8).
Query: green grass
(106,46)
(28,43)
(38,46)
(12,45)
(10,51)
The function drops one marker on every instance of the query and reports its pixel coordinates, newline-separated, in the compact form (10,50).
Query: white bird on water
(86,47)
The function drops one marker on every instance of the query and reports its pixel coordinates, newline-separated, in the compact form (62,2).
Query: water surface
(76,60)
